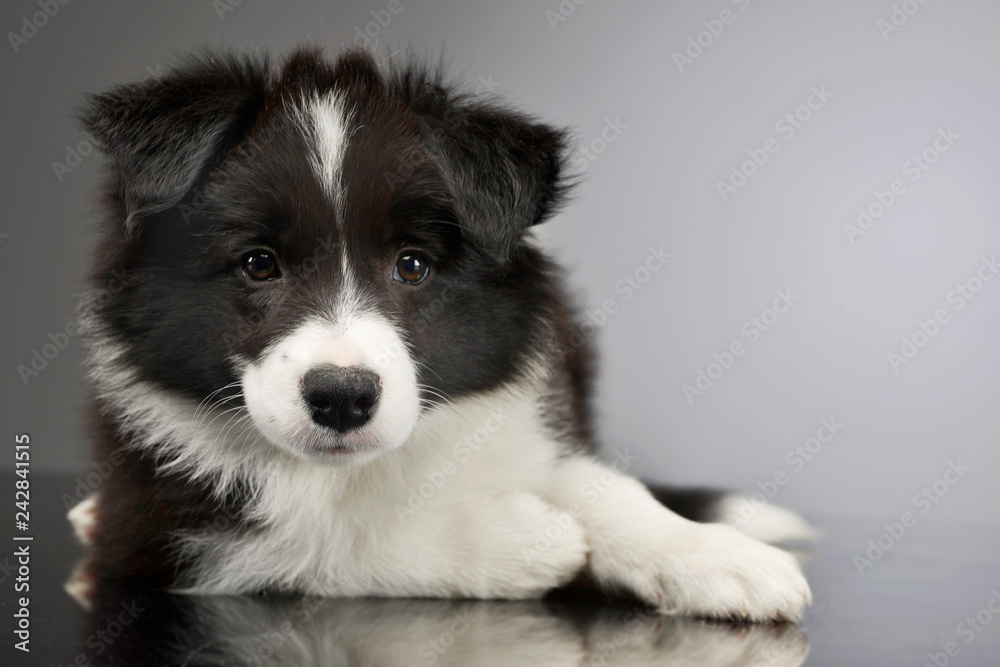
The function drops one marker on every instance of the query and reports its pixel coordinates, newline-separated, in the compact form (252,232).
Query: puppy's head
(325,250)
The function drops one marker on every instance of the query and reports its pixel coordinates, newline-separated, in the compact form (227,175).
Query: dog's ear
(506,170)
(162,134)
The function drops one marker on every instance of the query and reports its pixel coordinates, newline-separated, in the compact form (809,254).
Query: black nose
(341,398)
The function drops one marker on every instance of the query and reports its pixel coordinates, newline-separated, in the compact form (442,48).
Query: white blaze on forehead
(325,120)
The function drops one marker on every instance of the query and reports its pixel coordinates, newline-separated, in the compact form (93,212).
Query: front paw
(707,570)
(532,548)
(83,518)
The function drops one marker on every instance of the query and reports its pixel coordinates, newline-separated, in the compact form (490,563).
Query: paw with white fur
(707,570)
(531,547)
(83,518)
(81,585)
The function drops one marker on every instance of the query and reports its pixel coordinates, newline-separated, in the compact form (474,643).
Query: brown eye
(260,265)
(411,268)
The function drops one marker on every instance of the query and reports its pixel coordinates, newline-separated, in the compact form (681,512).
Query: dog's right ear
(161,135)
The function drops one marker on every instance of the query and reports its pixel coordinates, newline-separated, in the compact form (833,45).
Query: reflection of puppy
(226,630)
(339,366)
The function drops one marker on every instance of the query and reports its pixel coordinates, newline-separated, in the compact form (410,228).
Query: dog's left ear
(506,170)
(162,134)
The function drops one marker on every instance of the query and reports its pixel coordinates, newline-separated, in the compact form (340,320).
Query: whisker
(208,398)
(222,432)
(221,414)
(214,408)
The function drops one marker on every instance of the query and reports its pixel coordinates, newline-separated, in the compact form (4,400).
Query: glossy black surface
(912,602)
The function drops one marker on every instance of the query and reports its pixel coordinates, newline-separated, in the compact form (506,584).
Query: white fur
(354,530)
(272,387)
(677,565)
(765,522)
(80,586)
(324,121)
(83,518)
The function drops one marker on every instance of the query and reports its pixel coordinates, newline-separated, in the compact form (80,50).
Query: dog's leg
(511,545)
(681,567)
(83,518)
(490,548)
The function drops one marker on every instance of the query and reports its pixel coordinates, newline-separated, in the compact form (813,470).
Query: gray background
(654,185)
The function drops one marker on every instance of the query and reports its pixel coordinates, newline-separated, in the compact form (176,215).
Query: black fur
(160,135)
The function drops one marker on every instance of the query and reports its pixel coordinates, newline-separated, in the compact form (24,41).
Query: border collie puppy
(328,359)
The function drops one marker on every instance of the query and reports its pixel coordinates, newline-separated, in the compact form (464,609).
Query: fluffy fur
(472,471)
